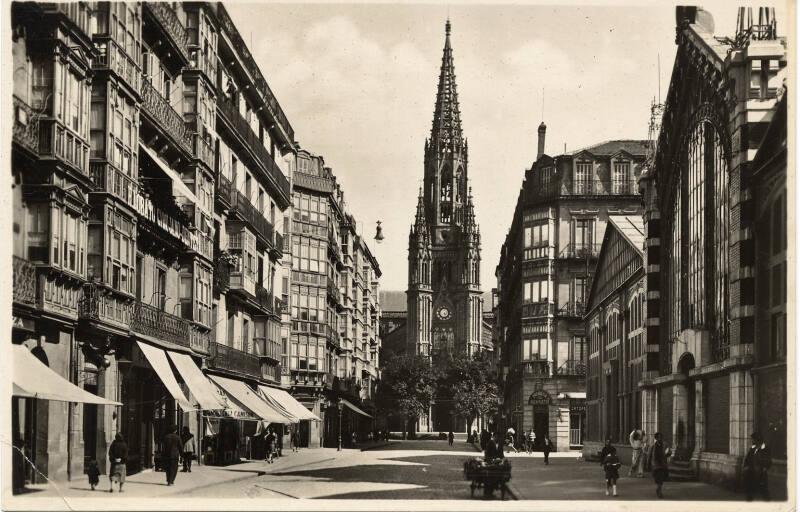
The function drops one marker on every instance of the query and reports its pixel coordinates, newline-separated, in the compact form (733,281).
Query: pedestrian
(755,466)
(353,438)
(270,439)
(659,462)
(494,448)
(510,438)
(295,439)
(605,451)
(189,447)
(547,447)
(93,472)
(531,441)
(485,437)
(637,461)
(170,454)
(117,458)
(611,465)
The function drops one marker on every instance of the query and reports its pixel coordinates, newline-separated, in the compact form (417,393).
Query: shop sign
(577,405)
(540,397)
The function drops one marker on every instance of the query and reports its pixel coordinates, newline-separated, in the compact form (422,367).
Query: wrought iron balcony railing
(112,57)
(199,339)
(165,15)
(231,114)
(572,367)
(109,179)
(57,141)
(159,109)
(580,250)
(252,216)
(26,125)
(24,281)
(577,309)
(265,299)
(600,187)
(228,358)
(151,321)
(99,304)
(537,368)
(224,189)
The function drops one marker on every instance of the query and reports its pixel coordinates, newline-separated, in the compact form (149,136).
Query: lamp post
(339,406)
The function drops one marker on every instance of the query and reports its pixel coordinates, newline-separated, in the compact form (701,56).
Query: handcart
(490,475)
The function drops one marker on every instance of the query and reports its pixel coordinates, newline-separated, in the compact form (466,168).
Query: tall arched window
(720,260)
(698,153)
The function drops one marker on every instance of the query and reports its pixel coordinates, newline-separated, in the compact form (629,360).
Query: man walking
(189,447)
(531,441)
(659,463)
(754,468)
(171,452)
(636,442)
(450,438)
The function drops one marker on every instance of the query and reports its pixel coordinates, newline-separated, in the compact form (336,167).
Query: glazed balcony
(572,368)
(106,178)
(24,281)
(100,305)
(307,377)
(26,126)
(334,293)
(151,321)
(58,141)
(168,120)
(580,251)
(265,300)
(222,273)
(223,357)
(315,183)
(201,244)
(538,309)
(111,57)
(202,148)
(245,209)
(164,15)
(242,129)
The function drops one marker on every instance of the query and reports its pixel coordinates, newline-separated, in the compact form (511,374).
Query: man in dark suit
(171,453)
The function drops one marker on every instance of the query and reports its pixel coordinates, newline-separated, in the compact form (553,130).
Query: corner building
(444,298)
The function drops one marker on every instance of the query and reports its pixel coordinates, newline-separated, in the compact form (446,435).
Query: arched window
(696,199)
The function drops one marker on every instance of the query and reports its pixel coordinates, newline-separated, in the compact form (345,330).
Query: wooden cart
(489,475)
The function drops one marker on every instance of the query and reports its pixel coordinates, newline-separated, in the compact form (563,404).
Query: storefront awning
(202,390)
(573,395)
(242,393)
(180,186)
(158,360)
(354,408)
(33,379)
(289,403)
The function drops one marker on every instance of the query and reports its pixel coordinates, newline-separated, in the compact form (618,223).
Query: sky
(358,84)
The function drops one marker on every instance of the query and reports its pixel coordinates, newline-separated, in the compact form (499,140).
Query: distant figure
(547,447)
(605,451)
(531,441)
(93,472)
(270,439)
(611,466)
(755,466)
(189,447)
(295,440)
(659,462)
(117,458)
(510,438)
(637,461)
(171,453)
(450,438)
(494,448)
(354,438)
(485,437)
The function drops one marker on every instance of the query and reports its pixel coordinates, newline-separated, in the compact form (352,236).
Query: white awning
(33,379)
(575,395)
(202,390)
(354,408)
(180,186)
(158,360)
(289,403)
(242,393)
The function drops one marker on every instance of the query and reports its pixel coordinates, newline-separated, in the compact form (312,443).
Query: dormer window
(583,177)
(620,181)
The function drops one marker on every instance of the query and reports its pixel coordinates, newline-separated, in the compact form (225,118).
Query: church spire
(419,221)
(446,130)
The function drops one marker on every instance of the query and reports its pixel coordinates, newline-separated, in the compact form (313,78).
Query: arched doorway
(685,425)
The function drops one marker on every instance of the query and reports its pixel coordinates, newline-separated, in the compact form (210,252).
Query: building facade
(715,321)
(616,339)
(150,163)
(444,298)
(546,267)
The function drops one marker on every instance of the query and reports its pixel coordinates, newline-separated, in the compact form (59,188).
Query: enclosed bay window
(535,348)
(537,235)
(537,290)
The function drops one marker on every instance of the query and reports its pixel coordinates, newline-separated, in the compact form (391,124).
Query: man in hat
(754,468)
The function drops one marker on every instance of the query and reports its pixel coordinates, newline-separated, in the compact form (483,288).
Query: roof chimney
(542,130)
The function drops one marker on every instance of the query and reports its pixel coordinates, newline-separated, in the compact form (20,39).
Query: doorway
(686,424)
(541,423)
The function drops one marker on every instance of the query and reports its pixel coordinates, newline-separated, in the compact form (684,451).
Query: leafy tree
(408,385)
(469,383)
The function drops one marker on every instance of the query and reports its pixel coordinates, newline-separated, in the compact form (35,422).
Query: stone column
(649,411)
(680,411)
(741,411)
(699,419)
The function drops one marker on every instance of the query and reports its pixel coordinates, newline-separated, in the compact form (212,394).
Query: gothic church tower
(444,297)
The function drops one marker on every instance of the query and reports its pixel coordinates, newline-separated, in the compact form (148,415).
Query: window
(582,234)
(535,349)
(675,270)
(537,290)
(583,177)
(120,253)
(696,200)
(231,327)
(38,232)
(580,291)
(621,183)
(537,235)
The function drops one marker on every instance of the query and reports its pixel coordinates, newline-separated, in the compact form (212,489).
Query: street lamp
(339,406)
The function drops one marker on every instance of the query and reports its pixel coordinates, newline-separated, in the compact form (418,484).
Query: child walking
(611,465)
(93,472)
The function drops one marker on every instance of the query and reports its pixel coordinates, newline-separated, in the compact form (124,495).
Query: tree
(469,382)
(408,385)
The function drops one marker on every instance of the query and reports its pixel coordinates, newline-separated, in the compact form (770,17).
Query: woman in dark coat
(659,463)
(547,447)
(117,458)
(611,465)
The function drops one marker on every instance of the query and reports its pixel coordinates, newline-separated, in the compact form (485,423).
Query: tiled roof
(610,147)
(393,300)
(631,227)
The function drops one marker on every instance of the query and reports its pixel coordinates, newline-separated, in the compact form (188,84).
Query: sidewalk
(152,484)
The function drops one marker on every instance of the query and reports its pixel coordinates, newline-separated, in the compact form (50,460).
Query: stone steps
(681,471)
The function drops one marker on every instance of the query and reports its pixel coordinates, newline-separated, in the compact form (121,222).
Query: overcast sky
(358,84)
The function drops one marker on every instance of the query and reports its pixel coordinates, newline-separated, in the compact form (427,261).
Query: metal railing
(172,26)
(538,309)
(228,358)
(151,321)
(224,189)
(315,183)
(600,187)
(231,113)
(115,182)
(24,281)
(250,214)
(58,141)
(580,250)
(577,309)
(111,56)
(98,304)
(265,299)
(165,116)
(536,368)
(574,367)
(26,125)
(199,339)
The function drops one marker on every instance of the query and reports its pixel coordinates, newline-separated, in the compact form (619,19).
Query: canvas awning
(202,390)
(573,395)
(354,408)
(33,379)
(243,394)
(158,361)
(180,186)
(289,403)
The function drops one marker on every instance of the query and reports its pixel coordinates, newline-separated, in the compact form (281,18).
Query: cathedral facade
(444,296)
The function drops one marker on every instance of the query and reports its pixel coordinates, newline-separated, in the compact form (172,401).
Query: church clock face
(443,313)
